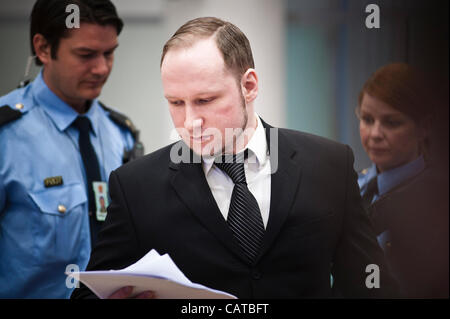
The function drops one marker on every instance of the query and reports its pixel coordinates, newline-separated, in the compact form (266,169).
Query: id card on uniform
(101,199)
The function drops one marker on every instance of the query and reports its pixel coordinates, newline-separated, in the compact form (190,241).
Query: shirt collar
(59,111)
(393,177)
(257,145)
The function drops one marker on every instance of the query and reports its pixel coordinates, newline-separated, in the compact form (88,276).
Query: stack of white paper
(152,272)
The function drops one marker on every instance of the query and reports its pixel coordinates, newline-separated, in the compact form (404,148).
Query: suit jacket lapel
(284,184)
(190,184)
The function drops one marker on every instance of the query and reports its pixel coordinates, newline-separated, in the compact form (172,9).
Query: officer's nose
(101,66)
(376,131)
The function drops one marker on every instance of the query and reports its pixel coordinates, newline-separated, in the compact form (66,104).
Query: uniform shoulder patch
(121,120)
(8,114)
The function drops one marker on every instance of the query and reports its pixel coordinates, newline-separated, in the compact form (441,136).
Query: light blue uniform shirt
(387,180)
(37,241)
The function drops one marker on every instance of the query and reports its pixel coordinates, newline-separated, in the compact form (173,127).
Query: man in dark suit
(275,226)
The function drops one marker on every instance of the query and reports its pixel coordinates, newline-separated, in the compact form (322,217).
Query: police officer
(394,132)
(58,144)
(405,193)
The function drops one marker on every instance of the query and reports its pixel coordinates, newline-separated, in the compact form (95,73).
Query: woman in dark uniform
(406,197)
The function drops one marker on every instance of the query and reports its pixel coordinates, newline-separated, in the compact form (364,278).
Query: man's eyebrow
(84,50)
(208,93)
(113,48)
(87,49)
(212,93)
(169,96)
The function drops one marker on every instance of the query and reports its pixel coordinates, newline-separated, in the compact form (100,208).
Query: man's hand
(125,292)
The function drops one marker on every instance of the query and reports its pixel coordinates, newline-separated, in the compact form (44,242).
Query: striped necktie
(244,215)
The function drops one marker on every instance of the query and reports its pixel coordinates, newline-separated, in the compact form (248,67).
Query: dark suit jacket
(415,214)
(316,225)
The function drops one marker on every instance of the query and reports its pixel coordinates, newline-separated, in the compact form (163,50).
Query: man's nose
(192,122)
(101,66)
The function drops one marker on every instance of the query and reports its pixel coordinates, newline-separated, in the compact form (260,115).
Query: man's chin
(90,94)
(202,151)
(205,150)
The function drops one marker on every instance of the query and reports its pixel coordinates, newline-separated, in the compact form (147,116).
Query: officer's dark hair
(48,18)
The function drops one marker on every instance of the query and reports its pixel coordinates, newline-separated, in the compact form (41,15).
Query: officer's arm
(7,115)
(2,195)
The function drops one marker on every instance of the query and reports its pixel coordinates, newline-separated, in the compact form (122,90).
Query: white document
(152,272)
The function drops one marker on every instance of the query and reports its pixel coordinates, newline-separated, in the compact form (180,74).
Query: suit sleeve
(358,248)
(117,245)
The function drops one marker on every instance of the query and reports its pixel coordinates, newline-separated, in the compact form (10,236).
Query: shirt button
(19,106)
(256,274)
(61,209)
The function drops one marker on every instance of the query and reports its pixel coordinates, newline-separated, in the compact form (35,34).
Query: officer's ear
(42,48)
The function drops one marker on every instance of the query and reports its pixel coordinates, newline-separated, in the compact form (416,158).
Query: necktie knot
(372,186)
(82,123)
(371,191)
(233,166)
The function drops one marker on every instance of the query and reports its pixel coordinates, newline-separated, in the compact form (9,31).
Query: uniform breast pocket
(61,200)
(61,225)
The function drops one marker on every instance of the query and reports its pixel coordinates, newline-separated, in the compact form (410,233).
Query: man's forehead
(201,52)
(93,36)
(88,30)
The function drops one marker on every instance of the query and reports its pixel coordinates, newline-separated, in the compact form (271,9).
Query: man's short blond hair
(230,40)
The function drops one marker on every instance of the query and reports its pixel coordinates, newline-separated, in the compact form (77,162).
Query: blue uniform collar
(393,177)
(60,112)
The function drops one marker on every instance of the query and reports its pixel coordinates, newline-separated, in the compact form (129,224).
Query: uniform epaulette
(121,120)
(8,114)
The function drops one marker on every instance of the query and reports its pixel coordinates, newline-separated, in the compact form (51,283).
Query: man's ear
(42,48)
(249,85)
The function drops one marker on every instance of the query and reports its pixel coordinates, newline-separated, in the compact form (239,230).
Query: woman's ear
(425,127)
(249,85)
(42,48)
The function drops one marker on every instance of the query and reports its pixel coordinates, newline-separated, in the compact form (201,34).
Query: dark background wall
(331,53)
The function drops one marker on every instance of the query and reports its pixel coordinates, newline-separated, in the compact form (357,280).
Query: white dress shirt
(257,173)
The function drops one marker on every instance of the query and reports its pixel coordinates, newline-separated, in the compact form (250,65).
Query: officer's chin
(92,93)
